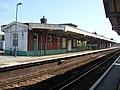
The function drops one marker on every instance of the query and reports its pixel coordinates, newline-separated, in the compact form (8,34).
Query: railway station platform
(8,61)
(110,80)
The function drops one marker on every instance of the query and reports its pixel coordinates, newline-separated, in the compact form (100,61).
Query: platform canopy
(68,30)
(112,10)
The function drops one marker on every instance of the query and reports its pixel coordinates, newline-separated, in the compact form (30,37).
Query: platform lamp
(15,51)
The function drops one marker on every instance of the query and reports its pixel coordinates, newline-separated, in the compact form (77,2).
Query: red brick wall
(30,40)
(54,41)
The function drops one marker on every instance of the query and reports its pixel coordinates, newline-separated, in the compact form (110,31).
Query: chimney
(43,20)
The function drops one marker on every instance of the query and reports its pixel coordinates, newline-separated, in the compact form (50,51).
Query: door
(69,45)
(35,44)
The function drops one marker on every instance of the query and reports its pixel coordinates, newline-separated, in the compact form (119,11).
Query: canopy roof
(60,29)
(112,10)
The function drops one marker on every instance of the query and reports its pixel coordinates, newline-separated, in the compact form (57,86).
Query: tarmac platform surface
(7,60)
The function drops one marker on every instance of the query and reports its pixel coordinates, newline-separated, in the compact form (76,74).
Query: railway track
(81,78)
(58,72)
(90,76)
(75,82)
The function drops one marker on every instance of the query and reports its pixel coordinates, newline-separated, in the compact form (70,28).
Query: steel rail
(84,73)
(102,77)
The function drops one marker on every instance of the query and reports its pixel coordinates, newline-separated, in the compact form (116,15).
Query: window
(77,43)
(0,37)
(63,42)
(50,42)
(58,39)
(84,43)
(35,36)
(15,35)
(3,37)
(49,38)
(15,39)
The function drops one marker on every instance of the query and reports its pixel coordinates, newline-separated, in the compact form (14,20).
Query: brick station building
(33,39)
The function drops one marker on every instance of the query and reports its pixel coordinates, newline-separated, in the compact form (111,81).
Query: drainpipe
(40,44)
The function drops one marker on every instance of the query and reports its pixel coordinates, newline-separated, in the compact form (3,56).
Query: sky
(89,15)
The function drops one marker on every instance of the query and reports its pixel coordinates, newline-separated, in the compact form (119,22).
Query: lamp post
(15,51)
